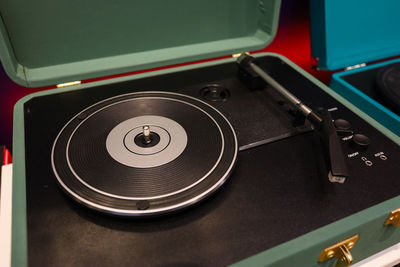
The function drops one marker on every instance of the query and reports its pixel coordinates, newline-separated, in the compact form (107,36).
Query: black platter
(99,159)
(278,190)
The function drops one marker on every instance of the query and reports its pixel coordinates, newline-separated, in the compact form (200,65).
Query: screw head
(330,254)
(350,245)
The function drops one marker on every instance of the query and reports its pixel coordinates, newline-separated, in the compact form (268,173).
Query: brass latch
(393,218)
(68,84)
(239,54)
(341,251)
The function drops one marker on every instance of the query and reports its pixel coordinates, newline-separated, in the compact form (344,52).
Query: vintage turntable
(215,132)
(278,190)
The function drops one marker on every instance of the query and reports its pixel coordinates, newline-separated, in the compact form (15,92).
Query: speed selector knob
(342,127)
(341,124)
(360,141)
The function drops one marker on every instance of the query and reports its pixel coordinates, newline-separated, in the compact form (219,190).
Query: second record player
(353,36)
(206,164)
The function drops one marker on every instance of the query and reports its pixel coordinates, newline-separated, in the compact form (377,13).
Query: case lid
(46,42)
(351,32)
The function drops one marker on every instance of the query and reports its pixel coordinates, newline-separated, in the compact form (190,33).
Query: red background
(292,41)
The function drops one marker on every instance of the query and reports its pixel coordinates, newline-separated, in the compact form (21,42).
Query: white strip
(5,215)
(386,258)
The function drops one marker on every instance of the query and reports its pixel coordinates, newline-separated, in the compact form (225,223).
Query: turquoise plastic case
(349,32)
(346,33)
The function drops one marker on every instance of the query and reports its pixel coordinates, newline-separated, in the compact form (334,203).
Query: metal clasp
(393,218)
(341,251)
(239,54)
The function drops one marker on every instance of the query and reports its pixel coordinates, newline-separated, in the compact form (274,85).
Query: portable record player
(349,34)
(205,164)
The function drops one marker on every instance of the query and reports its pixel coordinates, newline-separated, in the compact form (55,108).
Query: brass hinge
(68,84)
(239,54)
(341,251)
(393,218)
(356,66)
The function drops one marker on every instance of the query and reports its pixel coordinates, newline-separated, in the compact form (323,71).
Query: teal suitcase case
(67,42)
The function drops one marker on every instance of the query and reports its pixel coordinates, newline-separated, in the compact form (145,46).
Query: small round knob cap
(360,141)
(342,124)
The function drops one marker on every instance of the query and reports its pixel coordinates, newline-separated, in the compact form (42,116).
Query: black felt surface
(270,183)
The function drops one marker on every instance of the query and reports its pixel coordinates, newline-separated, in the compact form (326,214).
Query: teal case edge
(106,65)
(374,109)
(9,62)
(297,252)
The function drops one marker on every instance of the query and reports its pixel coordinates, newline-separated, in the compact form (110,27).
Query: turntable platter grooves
(104,159)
